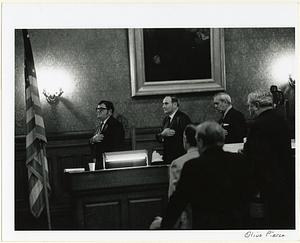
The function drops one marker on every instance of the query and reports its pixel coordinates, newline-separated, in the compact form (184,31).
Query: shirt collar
(192,149)
(105,120)
(173,114)
(228,108)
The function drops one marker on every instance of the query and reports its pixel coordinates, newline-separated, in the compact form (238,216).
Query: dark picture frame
(177,60)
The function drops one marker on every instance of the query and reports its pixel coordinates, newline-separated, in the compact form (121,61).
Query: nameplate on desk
(72,170)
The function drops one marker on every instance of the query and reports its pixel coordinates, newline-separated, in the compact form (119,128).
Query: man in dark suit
(172,132)
(109,134)
(268,152)
(212,184)
(232,120)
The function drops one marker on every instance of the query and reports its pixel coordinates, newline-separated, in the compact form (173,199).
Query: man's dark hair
(190,132)
(109,105)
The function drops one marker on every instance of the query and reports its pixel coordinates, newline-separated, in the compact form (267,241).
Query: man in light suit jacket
(172,130)
(190,145)
(232,120)
(109,134)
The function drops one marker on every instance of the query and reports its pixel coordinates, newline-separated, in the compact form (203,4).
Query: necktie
(99,128)
(168,123)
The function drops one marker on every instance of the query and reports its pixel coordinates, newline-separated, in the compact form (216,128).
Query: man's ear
(257,105)
(199,143)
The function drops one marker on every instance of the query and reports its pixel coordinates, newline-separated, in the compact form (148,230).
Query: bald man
(212,184)
(172,129)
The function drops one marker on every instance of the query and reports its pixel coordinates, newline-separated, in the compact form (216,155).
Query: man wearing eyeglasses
(109,134)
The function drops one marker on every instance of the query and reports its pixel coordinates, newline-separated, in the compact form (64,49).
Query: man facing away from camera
(190,145)
(213,184)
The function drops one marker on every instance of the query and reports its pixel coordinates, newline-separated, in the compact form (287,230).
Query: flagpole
(42,156)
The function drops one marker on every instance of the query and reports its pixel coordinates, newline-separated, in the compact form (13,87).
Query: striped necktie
(99,128)
(168,123)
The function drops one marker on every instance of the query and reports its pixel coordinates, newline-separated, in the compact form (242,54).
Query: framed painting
(176,60)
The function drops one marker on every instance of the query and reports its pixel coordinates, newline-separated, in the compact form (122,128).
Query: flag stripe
(36,160)
(36,125)
(33,98)
(35,133)
(37,188)
(36,169)
(35,196)
(37,109)
(31,151)
(32,89)
(34,119)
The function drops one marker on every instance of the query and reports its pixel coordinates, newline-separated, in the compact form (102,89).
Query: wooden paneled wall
(64,150)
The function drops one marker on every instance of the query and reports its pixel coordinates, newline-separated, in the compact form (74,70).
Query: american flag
(36,160)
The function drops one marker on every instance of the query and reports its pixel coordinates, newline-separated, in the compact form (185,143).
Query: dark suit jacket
(214,186)
(237,126)
(173,146)
(113,140)
(268,152)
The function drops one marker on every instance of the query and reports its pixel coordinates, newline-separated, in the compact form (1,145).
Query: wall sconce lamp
(52,97)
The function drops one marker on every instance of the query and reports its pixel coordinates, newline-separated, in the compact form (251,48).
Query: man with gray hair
(232,120)
(211,183)
(269,155)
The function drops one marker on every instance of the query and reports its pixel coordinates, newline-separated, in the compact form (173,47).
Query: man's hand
(225,127)
(167,132)
(156,223)
(241,151)
(97,138)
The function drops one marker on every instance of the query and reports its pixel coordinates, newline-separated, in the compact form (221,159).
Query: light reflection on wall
(282,67)
(52,79)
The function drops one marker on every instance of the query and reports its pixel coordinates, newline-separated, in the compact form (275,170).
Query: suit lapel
(226,117)
(174,119)
(106,125)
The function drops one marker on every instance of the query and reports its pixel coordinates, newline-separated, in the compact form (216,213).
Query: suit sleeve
(173,175)
(114,137)
(158,136)
(184,121)
(238,127)
(118,136)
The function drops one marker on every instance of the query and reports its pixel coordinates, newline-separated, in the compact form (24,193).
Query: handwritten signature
(268,234)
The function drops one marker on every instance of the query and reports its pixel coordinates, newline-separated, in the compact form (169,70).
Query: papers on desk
(156,157)
(72,170)
(233,147)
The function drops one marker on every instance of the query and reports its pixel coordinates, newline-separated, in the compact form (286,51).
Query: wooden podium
(118,199)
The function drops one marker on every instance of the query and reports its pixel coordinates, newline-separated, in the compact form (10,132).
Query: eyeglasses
(101,108)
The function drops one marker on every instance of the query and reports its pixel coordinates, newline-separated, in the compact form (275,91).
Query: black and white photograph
(166,122)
